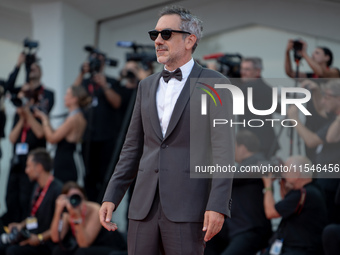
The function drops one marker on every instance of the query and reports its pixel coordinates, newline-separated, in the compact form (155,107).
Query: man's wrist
(267,189)
(107,86)
(40,238)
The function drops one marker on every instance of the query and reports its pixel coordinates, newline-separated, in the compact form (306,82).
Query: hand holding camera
(69,205)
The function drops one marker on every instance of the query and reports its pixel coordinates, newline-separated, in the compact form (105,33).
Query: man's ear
(258,72)
(39,168)
(190,41)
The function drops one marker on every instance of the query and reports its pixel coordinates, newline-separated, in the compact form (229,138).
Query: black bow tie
(168,75)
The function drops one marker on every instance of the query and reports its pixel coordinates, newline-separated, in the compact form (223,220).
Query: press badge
(21,149)
(31,223)
(276,247)
(94,101)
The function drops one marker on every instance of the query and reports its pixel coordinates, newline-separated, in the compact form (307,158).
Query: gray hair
(189,22)
(333,85)
(257,62)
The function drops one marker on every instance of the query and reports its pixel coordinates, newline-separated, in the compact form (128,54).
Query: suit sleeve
(223,152)
(127,166)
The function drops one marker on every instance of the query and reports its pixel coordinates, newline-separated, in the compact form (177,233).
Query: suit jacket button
(164,146)
(156,171)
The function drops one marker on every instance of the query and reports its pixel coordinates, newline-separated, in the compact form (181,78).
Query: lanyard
(92,88)
(41,196)
(83,214)
(24,134)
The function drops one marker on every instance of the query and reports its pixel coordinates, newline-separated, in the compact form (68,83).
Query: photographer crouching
(32,235)
(26,134)
(302,208)
(76,226)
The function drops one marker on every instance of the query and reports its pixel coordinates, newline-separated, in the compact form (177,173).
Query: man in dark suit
(173,210)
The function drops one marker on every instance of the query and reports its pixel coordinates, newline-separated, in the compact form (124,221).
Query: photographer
(32,235)
(26,135)
(302,209)
(248,230)
(81,231)
(320,62)
(103,121)
(251,69)
(326,153)
(44,98)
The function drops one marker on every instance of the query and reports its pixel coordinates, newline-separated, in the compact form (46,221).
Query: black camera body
(297,46)
(145,58)
(145,54)
(28,95)
(232,62)
(29,45)
(95,62)
(15,236)
(75,201)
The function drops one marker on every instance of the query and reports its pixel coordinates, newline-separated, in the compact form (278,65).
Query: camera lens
(75,200)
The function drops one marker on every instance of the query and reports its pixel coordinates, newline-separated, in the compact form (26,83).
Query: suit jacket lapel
(183,99)
(153,109)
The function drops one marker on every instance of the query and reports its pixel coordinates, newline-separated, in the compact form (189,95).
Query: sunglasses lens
(166,34)
(153,35)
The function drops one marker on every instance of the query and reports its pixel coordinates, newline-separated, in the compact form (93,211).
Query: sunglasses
(166,33)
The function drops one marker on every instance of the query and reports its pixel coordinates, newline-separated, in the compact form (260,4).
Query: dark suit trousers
(157,235)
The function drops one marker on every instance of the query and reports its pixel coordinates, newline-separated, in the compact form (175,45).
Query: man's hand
(105,215)
(40,115)
(304,48)
(21,59)
(12,225)
(21,112)
(85,68)
(213,222)
(100,79)
(290,45)
(32,241)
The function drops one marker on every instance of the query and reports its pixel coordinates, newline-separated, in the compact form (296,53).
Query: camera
(28,95)
(297,46)
(232,63)
(95,62)
(29,45)
(15,236)
(145,56)
(75,200)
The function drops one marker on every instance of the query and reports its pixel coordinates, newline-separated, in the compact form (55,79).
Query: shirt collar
(186,68)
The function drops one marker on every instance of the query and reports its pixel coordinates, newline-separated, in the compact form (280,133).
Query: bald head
(298,166)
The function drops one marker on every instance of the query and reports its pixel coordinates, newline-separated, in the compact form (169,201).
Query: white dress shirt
(168,93)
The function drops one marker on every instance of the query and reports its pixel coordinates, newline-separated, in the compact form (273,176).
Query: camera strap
(302,200)
(83,215)
(38,202)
